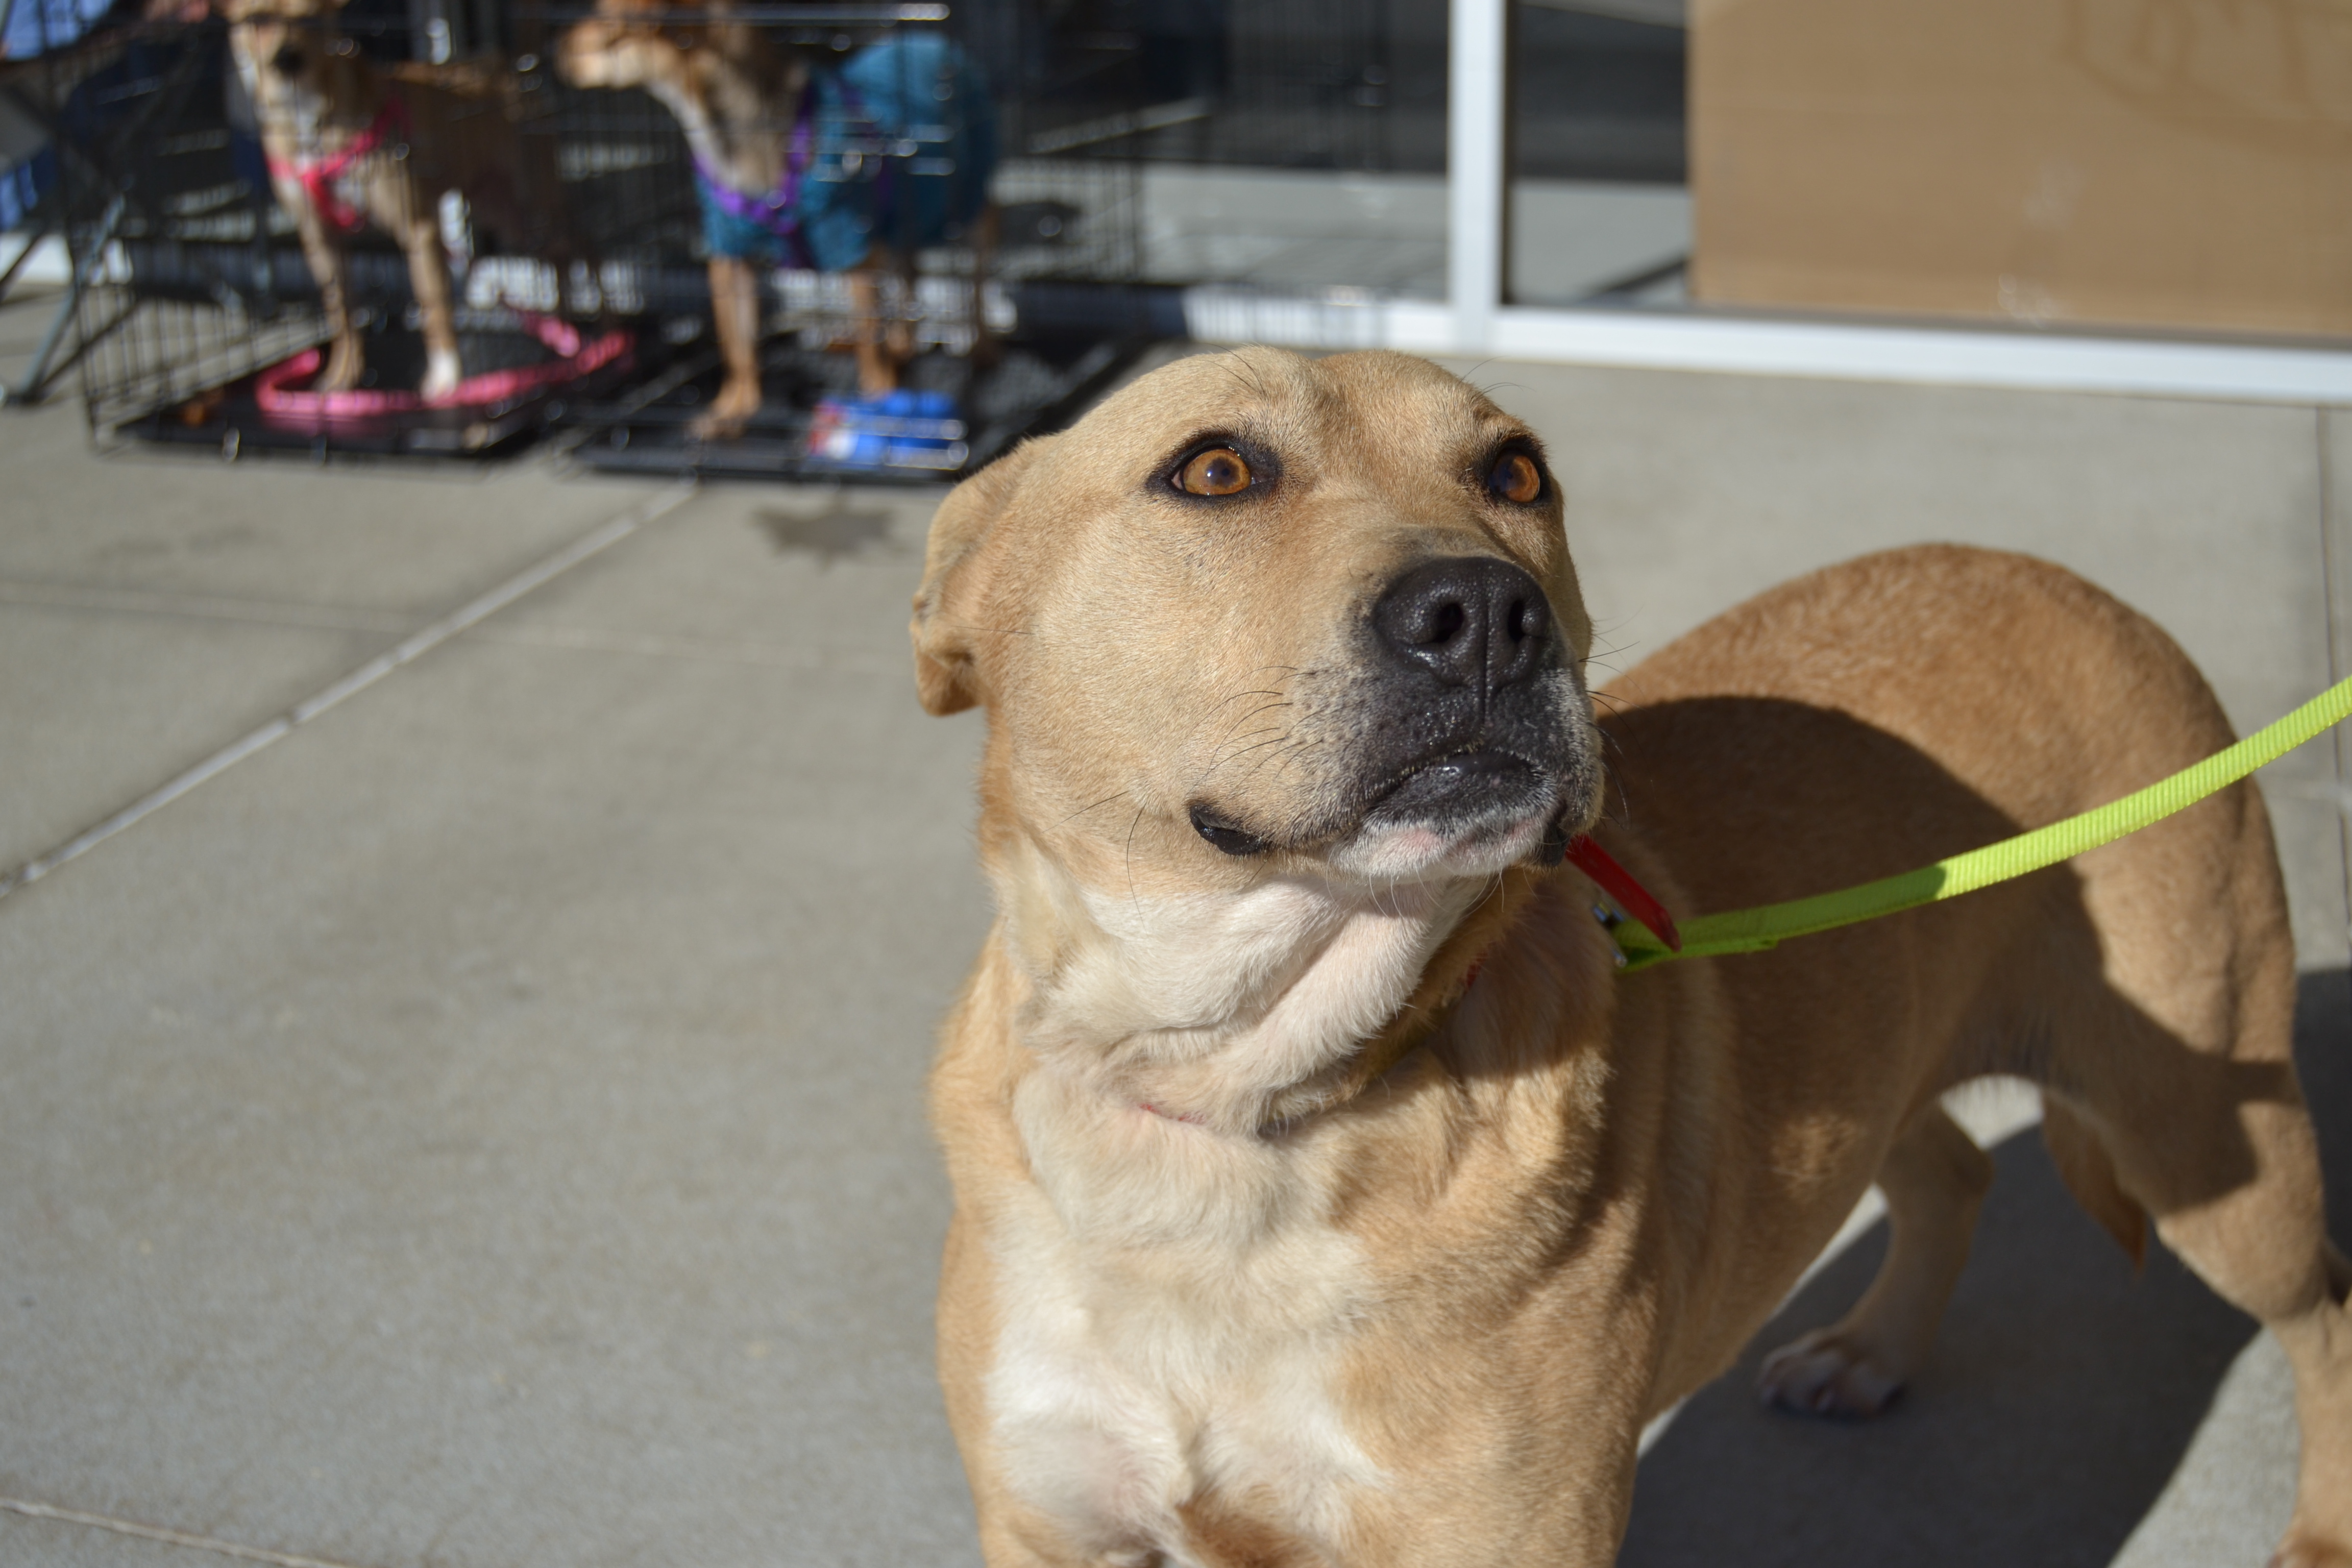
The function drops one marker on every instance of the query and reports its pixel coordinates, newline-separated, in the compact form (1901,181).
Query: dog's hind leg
(2221,1150)
(2179,1068)
(1934,1179)
(985,350)
(884,344)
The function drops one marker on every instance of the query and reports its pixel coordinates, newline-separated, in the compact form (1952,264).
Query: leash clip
(1609,920)
(1619,884)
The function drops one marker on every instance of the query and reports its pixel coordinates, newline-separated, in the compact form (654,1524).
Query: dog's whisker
(1231,736)
(1288,757)
(1232,698)
(1279,737)
(1084,809)
(1285,753)
(1132,898)
(1275,730)
(1244,719)
(1245,750)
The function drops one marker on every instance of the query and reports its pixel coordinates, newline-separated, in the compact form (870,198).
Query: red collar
(1619,884)
(318,176)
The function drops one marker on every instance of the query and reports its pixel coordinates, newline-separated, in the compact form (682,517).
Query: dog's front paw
(345,367)
(2303,1550)
(443,371)
(1826,1373)
(713,424)
(729,412)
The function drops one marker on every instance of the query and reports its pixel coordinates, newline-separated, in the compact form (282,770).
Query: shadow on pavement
(2060,1398)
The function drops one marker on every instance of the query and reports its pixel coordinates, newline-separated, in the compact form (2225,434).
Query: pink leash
(273,393)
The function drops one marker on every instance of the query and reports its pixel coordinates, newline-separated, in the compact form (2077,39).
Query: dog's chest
(1130,1407)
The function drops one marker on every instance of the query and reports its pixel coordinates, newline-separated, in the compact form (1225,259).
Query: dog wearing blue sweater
(804,159)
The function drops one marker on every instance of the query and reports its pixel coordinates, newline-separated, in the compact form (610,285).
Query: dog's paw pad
(1823,1375)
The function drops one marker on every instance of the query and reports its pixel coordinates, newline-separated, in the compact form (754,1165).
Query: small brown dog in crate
(800,162)
(352,144)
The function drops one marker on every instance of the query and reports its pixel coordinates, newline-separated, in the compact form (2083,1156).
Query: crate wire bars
(1070,221)
(192,281)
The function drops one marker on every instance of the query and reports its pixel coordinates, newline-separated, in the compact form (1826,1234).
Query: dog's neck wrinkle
(1158,1199)
(1218,1009)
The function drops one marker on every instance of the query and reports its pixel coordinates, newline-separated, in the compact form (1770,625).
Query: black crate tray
(649,429)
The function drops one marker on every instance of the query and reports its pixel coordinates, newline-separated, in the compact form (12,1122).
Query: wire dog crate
(207,320)
(204,322)
(990,356)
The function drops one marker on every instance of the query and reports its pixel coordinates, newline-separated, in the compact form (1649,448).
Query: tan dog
(349,144)
(1285,672)
(739,100)
(728,88)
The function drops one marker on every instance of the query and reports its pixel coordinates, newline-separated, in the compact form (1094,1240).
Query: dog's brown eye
(1516,478)
(1219,471)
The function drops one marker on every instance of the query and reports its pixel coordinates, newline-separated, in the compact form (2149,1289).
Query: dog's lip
(1469,759)
(1539,782)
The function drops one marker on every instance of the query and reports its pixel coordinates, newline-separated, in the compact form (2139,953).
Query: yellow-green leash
(1754,931)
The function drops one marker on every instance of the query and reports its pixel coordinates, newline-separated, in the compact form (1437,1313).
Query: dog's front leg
(428,275)
(346,361)
(1934,1179)
(1012,1534)
(735,314)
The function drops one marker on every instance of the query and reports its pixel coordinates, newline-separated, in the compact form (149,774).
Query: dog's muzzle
(1463,730)
(1469,695)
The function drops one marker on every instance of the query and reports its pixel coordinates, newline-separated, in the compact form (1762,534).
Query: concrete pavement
(483,1128)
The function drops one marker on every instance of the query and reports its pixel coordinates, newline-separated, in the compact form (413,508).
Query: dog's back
(1880,715)
(472,135)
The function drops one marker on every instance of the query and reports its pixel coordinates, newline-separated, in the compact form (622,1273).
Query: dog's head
(287,50)
(668,49)
(625,43)
(1261,614)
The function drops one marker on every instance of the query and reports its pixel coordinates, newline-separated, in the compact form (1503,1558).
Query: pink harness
(273,389)
(318,176)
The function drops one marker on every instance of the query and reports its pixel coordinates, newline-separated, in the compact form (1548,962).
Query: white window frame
(1475,319)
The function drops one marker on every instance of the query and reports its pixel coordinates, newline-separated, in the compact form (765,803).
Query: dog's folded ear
(946,678)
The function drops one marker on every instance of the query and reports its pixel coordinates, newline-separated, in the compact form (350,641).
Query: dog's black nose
(288,59)
(1470,620)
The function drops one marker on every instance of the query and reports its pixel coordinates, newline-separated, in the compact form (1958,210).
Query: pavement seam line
(417,644)
(170,1537)
(200,607)
(778,656)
